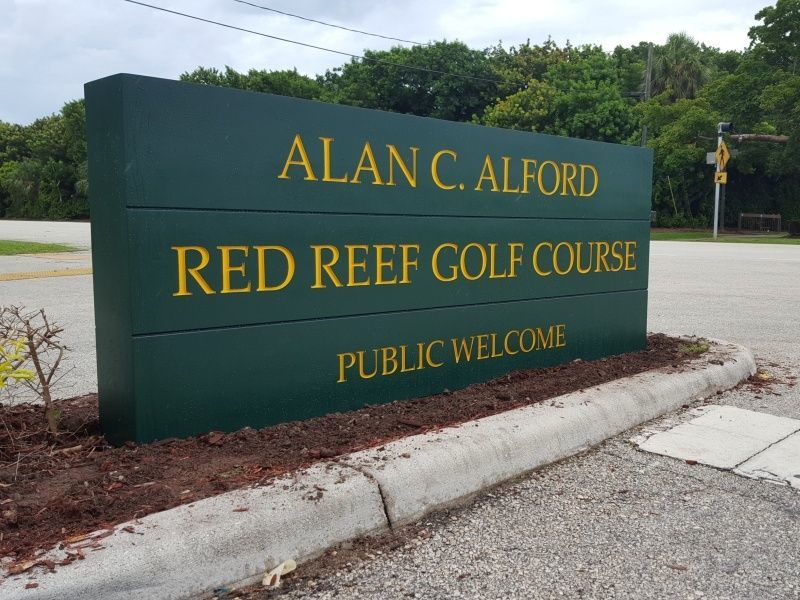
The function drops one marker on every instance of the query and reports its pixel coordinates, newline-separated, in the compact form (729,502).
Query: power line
(288,14)
(281,39)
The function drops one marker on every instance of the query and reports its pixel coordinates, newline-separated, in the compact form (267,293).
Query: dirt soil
(58,489)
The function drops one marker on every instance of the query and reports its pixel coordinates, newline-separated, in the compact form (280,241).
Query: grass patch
(10,247)
(708,236)
(695,348)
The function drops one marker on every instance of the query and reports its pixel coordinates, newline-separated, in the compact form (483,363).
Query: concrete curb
(190,550)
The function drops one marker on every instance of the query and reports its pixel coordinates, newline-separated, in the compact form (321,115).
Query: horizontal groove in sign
(378,214)
(391,312)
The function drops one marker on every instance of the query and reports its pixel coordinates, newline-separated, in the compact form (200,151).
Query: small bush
(30,353)
(681,221)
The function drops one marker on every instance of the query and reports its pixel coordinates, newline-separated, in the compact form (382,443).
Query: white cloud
(50,48)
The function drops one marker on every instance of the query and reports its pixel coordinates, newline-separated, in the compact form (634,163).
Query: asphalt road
(614,522)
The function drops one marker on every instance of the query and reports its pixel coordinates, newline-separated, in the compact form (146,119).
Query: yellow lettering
(353,264)
(536,266)
(403,368)
(568,178)
(483,346)
(516,257)
(387,359)
(381,264)
(343,367)
(561,335)
(579,253)
(460,348)
(435,264)
(227,269)
(361,372)
(367,163)
(394,156)
(297,146)
(556,264)
(428,353)
(532,334)
(262,268)
(320,266)
(505,343)
(616,252)
(583,180)
(506,161)
(435,168)
(630,257)
(556,174)
(407,262)
(487,173)
(326,155)
(464,270)
(602,251)
(527,175)
(495,353)
(183,271)
(547,342)
(492,260)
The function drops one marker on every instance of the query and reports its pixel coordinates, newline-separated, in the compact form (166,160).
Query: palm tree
(678,68)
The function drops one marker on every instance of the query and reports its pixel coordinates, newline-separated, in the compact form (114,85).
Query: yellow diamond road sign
(722,155)
(721,177)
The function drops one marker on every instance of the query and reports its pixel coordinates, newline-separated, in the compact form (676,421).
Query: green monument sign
(260,259)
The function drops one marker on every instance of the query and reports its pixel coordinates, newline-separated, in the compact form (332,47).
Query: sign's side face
(261,259)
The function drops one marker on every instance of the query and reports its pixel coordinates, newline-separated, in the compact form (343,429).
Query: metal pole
(647,79)
(716,191)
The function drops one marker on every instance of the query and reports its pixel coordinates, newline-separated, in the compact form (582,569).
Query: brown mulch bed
(53,490)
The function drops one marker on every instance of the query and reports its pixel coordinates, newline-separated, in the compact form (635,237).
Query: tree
(282,83)
(578,96)
(589,103)
(681,180)
(383,81)
(528,109)
(777,39)
(43,173)
(518,65)
(678,68)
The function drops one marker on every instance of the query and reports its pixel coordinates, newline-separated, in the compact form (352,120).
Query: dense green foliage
(582,92)
(43,166)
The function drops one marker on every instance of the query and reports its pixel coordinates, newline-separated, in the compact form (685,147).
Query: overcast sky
(50,48)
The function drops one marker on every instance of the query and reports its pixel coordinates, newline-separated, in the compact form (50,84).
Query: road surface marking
(41,274)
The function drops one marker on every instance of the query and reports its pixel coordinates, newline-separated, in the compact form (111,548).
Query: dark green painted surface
(175,164)
(229,378)
(157,310)
(205,147)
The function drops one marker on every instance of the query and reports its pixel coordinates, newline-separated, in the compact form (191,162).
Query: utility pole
(720,176)
(648,75)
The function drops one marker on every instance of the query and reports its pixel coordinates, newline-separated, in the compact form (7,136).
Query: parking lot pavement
(613,523)
(72,233)
(37,265)
(617,522)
